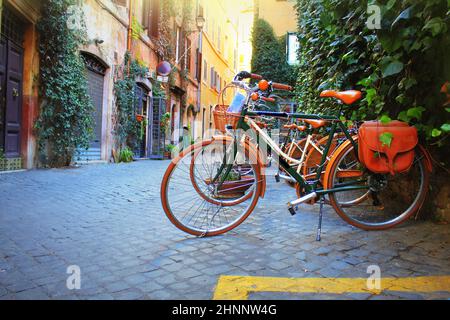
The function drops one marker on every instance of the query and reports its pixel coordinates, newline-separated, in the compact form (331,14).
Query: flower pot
(233,189)
(140,118)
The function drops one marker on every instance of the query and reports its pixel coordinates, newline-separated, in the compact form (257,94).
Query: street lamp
(200,25)
(200,20)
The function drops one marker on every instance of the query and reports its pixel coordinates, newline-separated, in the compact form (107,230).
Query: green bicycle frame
(308,187)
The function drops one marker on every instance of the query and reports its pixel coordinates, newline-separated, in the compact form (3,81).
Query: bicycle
(360,197)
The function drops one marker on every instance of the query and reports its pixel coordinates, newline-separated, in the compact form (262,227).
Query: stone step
(93,154)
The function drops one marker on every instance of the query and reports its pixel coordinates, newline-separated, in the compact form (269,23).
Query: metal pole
(130,26)
(200,63)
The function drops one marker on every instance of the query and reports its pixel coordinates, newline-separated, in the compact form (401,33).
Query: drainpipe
(1,12)
(130,26)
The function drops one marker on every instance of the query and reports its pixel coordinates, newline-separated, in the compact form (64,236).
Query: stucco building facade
(111,33)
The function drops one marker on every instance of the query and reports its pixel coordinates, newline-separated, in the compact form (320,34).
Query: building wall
(220,52)
(278,13)
(107,23)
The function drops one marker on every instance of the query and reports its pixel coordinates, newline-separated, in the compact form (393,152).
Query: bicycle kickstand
(277,177)
(319,229)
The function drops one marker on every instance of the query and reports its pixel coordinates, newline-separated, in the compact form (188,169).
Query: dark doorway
(95,72)
(11,82)
(156,141)
(142,109)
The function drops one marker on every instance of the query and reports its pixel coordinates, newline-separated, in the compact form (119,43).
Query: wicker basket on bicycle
(222,118)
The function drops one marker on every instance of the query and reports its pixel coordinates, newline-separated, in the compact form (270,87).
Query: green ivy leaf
(385,119)
(435,25)
(415,112)
(407,83)
(402,116)
(390,4)
(392,68)
(445,127)
(436,133)
(370,95)
(447,109)
(386,139)
(390,42)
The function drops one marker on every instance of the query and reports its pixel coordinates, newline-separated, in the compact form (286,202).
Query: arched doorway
(156,135)
(95,71)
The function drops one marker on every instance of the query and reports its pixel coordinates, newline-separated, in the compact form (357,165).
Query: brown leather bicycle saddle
(316,124)
(295,127)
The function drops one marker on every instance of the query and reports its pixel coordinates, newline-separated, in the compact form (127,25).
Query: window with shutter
(145,13)
(198,65)
(154,16)
(213,77)
(188,54)
(178,45)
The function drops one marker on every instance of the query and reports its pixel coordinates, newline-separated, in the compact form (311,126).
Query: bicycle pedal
(292,211)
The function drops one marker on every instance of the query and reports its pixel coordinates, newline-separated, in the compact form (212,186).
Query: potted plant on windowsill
(234,185)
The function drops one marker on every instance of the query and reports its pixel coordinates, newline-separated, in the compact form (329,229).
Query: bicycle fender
(428,159)
(333,159)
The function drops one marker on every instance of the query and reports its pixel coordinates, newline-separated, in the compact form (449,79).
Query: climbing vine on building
(65,120)
(126,127)
(269,54)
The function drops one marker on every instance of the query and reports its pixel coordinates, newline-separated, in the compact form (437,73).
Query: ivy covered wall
(403,68)
(65,121)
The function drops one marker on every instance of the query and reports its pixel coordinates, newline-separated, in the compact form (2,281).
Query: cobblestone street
(108,220)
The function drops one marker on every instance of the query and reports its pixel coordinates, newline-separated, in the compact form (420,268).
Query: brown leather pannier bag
(384,159)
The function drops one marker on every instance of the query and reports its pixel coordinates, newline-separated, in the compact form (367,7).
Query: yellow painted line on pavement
(239,287)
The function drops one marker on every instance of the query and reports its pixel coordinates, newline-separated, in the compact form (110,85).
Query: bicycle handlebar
(247,75)
(280,86)
(268,99)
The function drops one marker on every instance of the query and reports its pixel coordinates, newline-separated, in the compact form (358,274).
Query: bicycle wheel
(217,208)
(386,202)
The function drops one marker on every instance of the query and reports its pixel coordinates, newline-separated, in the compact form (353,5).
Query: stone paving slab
(108,220)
